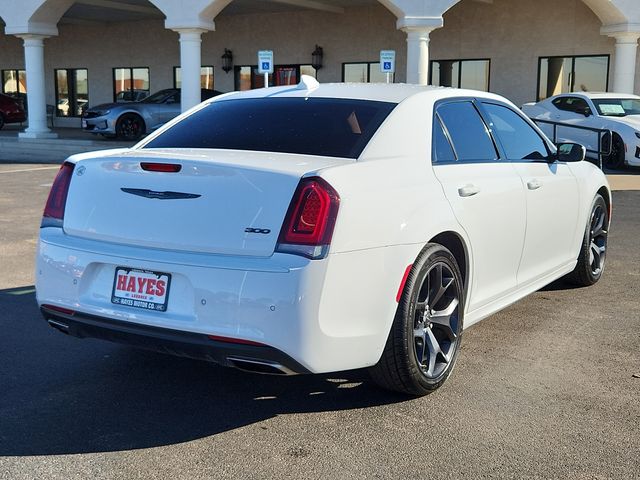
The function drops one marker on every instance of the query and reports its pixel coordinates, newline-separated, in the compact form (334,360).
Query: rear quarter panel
(391,205)
(391,196)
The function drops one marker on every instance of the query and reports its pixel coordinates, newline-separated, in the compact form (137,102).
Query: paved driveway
(544,389)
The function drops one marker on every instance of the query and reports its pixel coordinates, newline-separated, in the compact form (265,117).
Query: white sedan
(619,113)
(320,228)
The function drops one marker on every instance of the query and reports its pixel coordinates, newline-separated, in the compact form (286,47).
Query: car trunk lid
(219,202)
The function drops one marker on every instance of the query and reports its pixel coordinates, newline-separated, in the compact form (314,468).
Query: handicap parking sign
(265,61)
(388,61)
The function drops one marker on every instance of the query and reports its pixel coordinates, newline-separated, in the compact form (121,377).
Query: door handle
(468,190)
(534,184)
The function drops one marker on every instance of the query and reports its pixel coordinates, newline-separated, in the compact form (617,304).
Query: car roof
(598,95)
(381,92)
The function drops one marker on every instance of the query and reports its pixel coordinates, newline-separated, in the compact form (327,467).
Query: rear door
(551,192)
(486,194)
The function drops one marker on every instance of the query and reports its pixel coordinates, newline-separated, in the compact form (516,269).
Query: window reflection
(72,92)
(472,74)
(572,74)
(248,77)
(206,77)
(130,83)
(364,72)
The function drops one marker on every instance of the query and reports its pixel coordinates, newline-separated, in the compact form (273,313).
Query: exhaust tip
(59,326)
(259,366)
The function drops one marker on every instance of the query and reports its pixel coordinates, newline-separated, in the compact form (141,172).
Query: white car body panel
(548,188)
(493,222)
(330,314)
(626,127)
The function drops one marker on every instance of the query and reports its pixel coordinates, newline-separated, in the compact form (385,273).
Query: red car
(10,111)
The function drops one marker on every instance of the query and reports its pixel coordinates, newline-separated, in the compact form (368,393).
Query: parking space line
(30,169)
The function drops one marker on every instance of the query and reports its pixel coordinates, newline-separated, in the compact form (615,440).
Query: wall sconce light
(227,61)
(316,58)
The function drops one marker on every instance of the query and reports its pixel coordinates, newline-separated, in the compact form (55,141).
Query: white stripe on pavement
(57,167)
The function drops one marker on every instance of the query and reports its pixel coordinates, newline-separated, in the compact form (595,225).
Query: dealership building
(61,56)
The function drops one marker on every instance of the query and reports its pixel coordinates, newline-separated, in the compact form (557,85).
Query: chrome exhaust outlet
(260,366)
(59,326)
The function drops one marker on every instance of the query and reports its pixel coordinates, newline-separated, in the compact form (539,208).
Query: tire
(1,121)
(593,251)
(130,127)
(425,337)
(615,161)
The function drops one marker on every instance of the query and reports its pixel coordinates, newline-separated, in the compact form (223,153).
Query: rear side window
(442,151)
(519,140)
(571,104)
(468,133)
(308,126)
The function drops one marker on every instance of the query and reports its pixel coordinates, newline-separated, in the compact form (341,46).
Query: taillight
(54,209)
(308,226)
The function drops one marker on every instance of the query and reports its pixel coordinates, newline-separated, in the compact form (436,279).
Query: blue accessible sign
(388,61)
(265,61)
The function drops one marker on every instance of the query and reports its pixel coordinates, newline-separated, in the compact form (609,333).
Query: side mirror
(571,152)
(586,112)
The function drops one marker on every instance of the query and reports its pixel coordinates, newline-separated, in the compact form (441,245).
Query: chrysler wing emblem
(160,195)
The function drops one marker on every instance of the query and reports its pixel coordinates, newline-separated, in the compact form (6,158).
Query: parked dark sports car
(10,111)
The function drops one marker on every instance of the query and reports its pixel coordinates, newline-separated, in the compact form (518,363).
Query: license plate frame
(139,298)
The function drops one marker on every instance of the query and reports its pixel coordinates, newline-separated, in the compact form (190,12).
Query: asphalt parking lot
(548,388)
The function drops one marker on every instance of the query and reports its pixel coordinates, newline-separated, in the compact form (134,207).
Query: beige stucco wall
(513,33)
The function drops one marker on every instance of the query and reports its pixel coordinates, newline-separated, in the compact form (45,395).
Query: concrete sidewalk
(625,180)
(70,141)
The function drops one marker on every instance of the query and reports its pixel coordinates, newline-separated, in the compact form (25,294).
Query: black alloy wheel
(436,320)
(423,345)
(615,160)
(130,127)
(593,252)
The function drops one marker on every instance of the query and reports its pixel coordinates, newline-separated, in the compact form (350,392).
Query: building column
(190,65)
(36,93)
(418,30)
(624,67)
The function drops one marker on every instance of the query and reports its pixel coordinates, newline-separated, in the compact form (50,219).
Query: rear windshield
(308,126)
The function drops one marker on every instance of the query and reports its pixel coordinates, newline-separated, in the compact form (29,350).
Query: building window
(14,84)
(72,91)
(583,73)
(363,72)
(206,77)
(130,83)
(472,74)
(247,76)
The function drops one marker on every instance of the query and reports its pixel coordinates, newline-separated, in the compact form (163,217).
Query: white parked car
(320,228)
(617,112)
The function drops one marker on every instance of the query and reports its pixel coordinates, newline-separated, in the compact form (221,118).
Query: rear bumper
(257,358)
(326,315)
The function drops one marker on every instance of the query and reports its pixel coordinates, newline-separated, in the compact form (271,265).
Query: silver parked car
(130,121)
